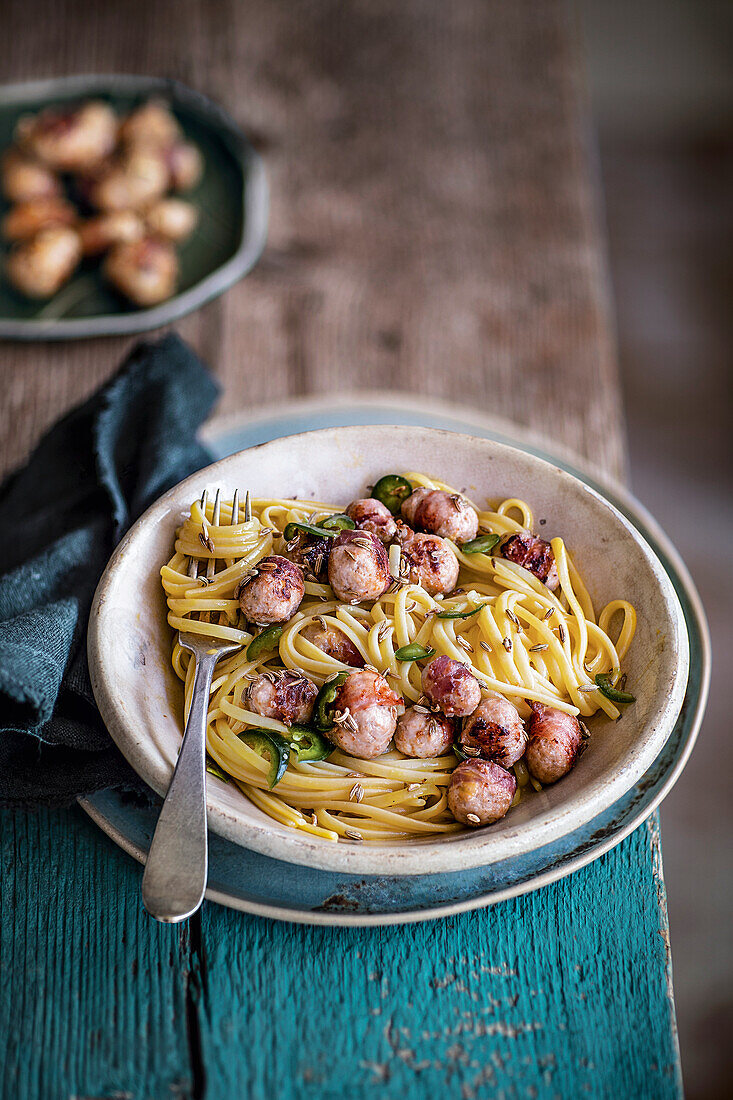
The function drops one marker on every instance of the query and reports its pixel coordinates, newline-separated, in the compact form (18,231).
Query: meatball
(441,513)
(144,271)
(185,165)
(422,734)
(312,554)
(40,266)
(534,554)
(25,219)
(365,715)
(495,731)
(358,568)
(25,179)
(287,696)
(274,593)
(450,686)
(139,178)
(334,643)
(410,505)
(151,124)
(74,140)
(556,740)
(153,128)
(371,515)
(117,227)
(428,561)
(480,792)
(172,218)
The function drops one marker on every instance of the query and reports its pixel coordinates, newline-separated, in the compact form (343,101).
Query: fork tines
(194,564)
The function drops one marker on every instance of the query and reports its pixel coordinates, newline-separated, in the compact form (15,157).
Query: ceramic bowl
(140,698)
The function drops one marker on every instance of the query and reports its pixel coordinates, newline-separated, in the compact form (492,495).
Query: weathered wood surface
(433,229)
(432,224)
(94,994)
(556,995)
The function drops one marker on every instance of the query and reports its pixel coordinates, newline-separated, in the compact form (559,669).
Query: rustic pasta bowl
(141,699)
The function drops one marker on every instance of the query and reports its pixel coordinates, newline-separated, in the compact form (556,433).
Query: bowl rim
(464,850)
(254,202)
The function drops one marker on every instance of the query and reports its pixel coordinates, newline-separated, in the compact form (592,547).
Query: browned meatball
(534,554)
(140,177)
(75,140)
(274,593)
(371,515)
(185,165)
(25,219)
(151,124)
(69,139)
(40,266)
(118,227)
(144,271)
(556,741)
(451,686)
(312,554)
(334,643)
(358,568)
(480,792)
(365,715)
(422,734)
(173,219)
(25,179)
(429,561)
(441,513)
(287,696)
(496,731)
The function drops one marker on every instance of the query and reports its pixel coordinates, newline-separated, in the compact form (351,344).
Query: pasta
(521,640)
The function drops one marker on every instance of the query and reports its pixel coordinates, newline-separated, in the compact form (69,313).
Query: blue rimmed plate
(255,883)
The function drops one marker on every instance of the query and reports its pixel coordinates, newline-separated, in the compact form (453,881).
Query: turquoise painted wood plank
(93,994)
(566,992)
(563,993)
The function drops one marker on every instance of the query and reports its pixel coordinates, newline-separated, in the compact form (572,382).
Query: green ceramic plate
(232,199)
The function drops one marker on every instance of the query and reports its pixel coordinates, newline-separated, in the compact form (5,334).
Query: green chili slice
(481,545)
(603,682)
(308,744)
(393,491)
(267,639)
(213,769)
(325,700)
(292,529)
(272,747)
(339,522)
(413,652)
(459,614)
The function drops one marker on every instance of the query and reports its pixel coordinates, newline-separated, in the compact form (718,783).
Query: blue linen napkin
(61,516)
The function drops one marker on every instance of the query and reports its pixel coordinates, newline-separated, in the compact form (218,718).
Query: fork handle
(177,865)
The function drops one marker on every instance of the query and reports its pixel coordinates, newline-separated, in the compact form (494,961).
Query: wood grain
(519,1000)
(433,225)
(433,230)
(559,994)
(94,993)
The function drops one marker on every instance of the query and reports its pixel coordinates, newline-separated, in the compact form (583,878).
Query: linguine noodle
(525,643)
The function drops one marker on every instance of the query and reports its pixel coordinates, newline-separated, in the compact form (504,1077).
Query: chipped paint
(495,1003)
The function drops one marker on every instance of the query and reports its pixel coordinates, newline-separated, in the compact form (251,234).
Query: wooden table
(433,229)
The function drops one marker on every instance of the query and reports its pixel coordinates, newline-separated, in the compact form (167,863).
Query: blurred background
(660,74)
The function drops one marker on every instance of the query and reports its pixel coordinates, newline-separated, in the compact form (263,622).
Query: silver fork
(175,874)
